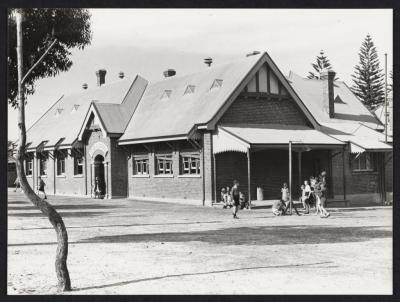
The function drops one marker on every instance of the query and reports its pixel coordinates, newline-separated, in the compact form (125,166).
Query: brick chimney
(328,96)
(101,77)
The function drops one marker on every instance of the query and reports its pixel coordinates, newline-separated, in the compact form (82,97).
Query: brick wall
(389,171)
(119,176)
(93,138)
(264,111)
(208,168)
(357,182)
(178,186)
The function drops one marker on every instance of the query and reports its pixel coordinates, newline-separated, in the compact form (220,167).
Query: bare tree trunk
(64,282)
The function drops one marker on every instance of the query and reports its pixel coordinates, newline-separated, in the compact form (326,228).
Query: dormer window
(75,108)
(216,84)
(189,89)
(166,94)
(59,111)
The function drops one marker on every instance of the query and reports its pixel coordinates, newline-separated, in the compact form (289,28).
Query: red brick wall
(264,111)
(178,186)
(90,141)
(356,182)
(119,176)
(389,171)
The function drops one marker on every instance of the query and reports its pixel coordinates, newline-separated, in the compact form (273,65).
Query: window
(78,165)
(60,164)
(363,162)
(141,166)
(190,163)
(28,166)
(164,164)
(43,165)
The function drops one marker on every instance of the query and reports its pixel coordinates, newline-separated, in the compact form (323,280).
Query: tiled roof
(52,127)
(350,111)
(160,115)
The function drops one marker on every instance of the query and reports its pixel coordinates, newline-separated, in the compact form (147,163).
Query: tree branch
(38,61)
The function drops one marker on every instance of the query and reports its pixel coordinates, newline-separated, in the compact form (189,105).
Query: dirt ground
(137,247)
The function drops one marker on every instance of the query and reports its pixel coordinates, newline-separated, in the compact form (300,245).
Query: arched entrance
(99,173)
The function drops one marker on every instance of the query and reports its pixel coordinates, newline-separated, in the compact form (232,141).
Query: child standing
(285,193)
(235,194)
(41,187)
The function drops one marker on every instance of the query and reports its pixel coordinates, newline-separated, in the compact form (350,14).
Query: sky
(149,41)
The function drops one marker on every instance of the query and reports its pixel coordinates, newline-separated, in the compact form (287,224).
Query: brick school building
(185,137)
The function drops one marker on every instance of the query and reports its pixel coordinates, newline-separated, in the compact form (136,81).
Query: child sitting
(223,192)
(278,208)
(243,203)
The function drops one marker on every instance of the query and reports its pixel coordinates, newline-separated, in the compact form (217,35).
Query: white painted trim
(164,176)
(189,176)
(141,175)
(149,140)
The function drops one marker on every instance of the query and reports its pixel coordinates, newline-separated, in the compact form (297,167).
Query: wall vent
(190,89)
(166,94)
(216,84)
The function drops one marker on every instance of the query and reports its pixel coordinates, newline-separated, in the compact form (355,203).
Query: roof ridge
(44,113)
(214,67)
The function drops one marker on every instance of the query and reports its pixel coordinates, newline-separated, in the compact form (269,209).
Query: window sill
(163,176)
(141,176)
(189,176)
(29,176)
(78,176)
(43,176)
(60,176)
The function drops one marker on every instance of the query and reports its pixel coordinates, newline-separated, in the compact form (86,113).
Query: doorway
(99,173)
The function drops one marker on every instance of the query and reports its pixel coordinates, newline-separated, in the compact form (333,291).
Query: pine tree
(368,78)
(321,64)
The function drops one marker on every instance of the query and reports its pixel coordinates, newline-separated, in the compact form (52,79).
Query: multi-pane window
(164,164)
(141,165)
(190,163)
(363,162)
(78,165)
(60,163)
(28,166)
(43,165)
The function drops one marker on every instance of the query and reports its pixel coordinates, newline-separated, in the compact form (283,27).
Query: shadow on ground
(316,264)
(65,207)
(265,235)
(63,214)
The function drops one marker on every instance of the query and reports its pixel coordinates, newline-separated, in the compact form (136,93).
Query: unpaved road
(137,247)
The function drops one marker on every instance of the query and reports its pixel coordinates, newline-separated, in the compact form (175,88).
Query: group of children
(313,194)
(227,201)
(233,198)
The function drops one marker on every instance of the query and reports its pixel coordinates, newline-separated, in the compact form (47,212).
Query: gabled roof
(158,116)
(350,111)
(166,111)
(52,127)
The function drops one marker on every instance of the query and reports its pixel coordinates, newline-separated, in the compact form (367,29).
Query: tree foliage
(71,28)
(368,80)
(322,63)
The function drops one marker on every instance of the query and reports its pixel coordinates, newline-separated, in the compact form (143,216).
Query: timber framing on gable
(253,73)
(92,111)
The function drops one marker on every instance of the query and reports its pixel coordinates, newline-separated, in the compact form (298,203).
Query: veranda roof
(360,137)
(241,137)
